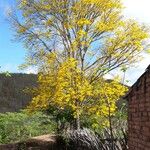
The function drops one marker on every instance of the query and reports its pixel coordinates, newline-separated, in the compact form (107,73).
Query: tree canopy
(75,43)
(94,32)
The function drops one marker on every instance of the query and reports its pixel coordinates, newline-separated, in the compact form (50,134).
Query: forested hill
(12,97)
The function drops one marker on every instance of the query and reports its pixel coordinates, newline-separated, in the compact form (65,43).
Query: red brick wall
(139,114)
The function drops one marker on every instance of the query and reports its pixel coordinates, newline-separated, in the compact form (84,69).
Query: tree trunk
(78,122)
(111,131)
(77,119)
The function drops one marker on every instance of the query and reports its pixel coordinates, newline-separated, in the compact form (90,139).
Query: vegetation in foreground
(21,126)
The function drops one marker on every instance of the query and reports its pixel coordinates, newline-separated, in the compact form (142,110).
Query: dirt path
(44,142)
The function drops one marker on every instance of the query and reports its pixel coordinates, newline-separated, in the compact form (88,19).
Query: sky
(12,53)
(140,11)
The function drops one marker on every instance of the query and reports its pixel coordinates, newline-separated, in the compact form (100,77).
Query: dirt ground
(44,142)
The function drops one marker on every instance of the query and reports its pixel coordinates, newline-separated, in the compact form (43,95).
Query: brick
(146,129)
(139,114)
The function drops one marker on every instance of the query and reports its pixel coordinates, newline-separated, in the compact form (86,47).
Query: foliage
(20,126)
(62,88)
(93,32)
(67,87)
(103,106)
(100,124)
(112,130)
(75,43)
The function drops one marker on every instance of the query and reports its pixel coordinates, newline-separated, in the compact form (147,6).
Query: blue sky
(12,53)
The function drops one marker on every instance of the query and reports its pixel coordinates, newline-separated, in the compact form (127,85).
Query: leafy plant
(21,126)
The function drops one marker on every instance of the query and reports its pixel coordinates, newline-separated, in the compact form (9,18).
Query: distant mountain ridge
(12,97)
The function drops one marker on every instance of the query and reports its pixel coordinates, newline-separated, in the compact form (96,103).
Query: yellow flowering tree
(94,32)
(75,43)
(65,86)
(62,87)
(103,106)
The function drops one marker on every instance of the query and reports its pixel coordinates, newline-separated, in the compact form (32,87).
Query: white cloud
(138,10)
(31,70)
(135,72)
(8,67)
(13,68)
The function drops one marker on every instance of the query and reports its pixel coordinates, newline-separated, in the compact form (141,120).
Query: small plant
(21,126)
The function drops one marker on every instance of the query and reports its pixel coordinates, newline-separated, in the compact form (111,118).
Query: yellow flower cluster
(83,21)
(67,86)
(22,29)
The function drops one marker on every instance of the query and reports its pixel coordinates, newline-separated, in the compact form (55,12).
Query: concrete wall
(12,97)
(139,114)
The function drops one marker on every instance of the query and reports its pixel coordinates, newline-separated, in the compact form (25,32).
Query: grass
(21,126)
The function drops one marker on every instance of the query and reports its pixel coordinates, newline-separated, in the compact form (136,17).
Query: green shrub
(21,126)
(118,122)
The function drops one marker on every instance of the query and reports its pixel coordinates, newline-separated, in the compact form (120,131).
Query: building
(139,113)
